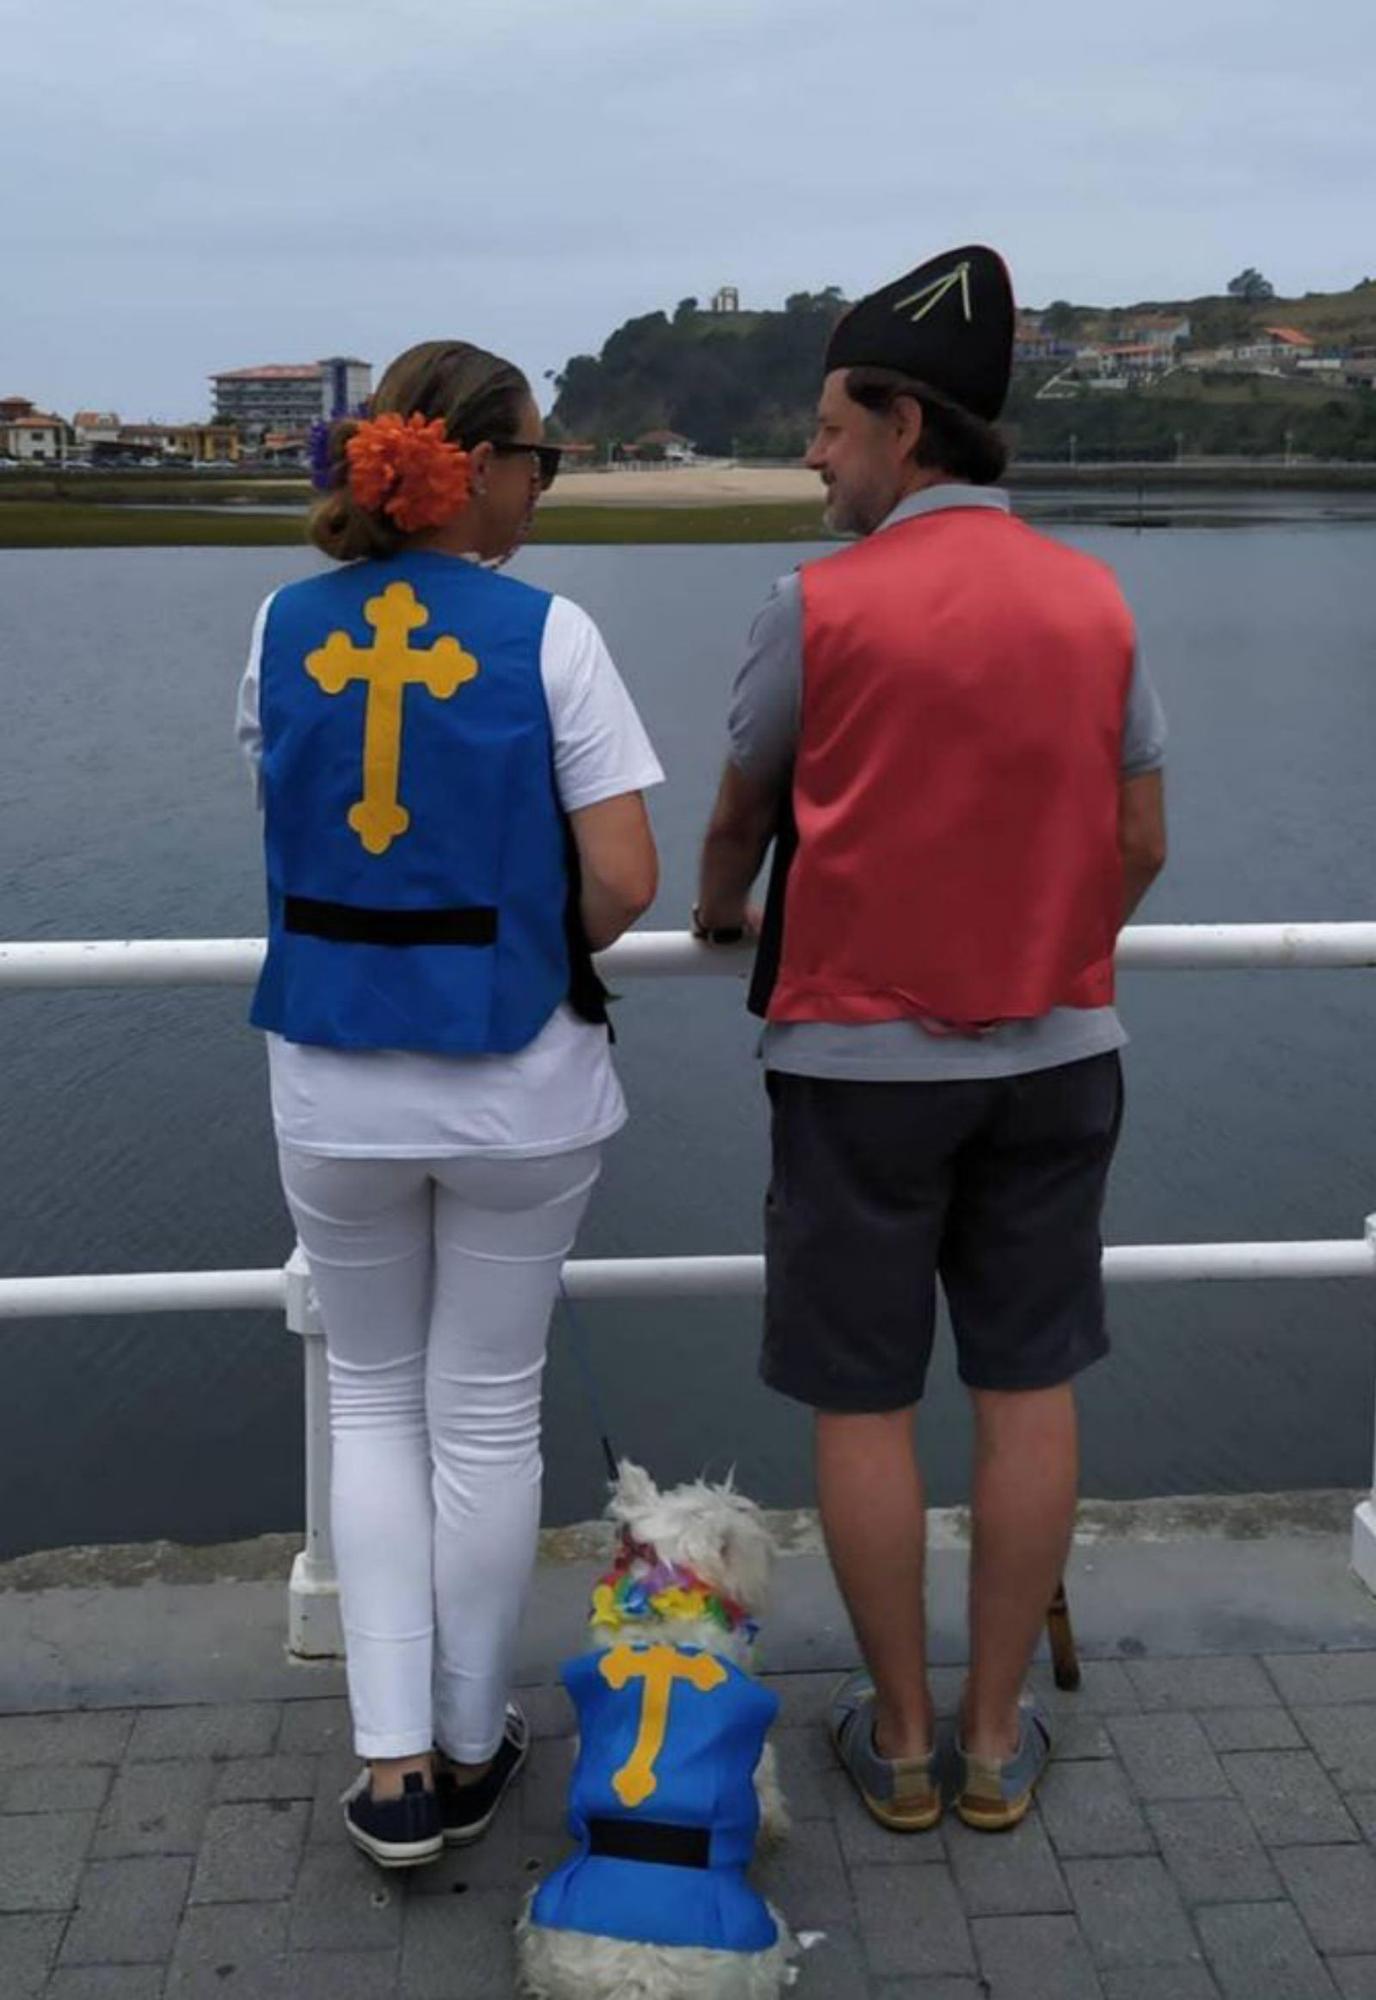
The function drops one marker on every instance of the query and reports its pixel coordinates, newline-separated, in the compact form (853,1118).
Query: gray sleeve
(1144,726)
(766,701)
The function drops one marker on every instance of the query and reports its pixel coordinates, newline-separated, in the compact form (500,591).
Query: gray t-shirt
(766,705)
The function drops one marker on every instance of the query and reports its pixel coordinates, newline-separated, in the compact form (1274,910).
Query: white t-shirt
(561,1090)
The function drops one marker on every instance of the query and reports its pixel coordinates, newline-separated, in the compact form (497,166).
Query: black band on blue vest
(650,1840)
(353,923)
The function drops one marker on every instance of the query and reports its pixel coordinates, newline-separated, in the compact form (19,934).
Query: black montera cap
(949,324)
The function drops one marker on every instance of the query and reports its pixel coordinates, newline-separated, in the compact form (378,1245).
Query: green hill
(744,384)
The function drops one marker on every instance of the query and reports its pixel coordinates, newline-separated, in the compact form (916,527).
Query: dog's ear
(633,1492)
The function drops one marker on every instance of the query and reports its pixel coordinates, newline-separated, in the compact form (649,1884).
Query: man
(946,727)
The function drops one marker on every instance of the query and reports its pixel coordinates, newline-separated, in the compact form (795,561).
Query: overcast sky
(191,185)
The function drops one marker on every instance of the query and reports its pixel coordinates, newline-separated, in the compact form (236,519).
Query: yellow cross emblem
(659,1667)
(389,666)
(929,296)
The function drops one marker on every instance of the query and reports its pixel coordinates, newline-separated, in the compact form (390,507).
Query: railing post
(313,1626)
(1364,1519)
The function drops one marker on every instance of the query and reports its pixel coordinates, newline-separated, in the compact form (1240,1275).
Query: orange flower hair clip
(408,469)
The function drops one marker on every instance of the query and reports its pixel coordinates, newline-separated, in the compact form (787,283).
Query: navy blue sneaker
(467,1811)
(396,1833)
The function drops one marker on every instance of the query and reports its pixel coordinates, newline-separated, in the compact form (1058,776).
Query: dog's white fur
(722,1536)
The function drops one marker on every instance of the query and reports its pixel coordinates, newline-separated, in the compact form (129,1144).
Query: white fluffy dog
(669,1789)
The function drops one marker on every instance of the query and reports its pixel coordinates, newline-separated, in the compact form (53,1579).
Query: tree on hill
(729,388)
(1061,319)
(1251,286)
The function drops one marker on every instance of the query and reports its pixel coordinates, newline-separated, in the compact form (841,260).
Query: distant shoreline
(703,504)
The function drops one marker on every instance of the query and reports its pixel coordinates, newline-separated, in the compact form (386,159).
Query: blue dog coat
(662,1802)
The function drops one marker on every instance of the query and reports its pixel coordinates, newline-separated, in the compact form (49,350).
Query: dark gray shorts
(996,1187)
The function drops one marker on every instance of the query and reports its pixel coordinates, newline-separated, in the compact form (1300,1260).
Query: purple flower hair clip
(322,477)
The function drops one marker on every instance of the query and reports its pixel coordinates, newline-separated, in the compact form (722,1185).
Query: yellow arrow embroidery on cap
(388,667)
(658,1667)
(927,297)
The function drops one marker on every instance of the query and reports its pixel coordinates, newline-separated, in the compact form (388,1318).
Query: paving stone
(1362,1806)
(1104,1689)
(234,1949)
(1012,1874)
(1202,1683)
(806,1766)
(911,1922)
(834,1965)
(128,1911)
(924,1989)
(41,1858)
(1260,1951)
(438,1940)
(155,1809)
(335,1772)
(1356,1977)
(45,1788)
(28,1946)
(548,1710)
(280,1777)
(85,1736)
(230,1934)
(544,1785)
(1334,1890)
(864,1842)
(312,1726)
(1251,1729)
(343,1903)
(804,1700)
(1345,1740)
(1034,1958)
(1089,1810)
(253,1979)
(806,1877)
(107,1982)
(1078,1737)
(1160,1982)
(243,1729)
(364,1975)
(250,1852)
(1212,1850)
(1290,1799)
(1305,1678)
(1168,1757)
(1131,1913)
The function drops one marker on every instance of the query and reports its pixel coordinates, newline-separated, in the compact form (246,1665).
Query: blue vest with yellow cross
(662,1802)
(416,854)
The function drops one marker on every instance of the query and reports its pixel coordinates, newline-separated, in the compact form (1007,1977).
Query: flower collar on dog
(662,1593)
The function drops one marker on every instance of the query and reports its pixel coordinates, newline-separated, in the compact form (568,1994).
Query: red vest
(957,779)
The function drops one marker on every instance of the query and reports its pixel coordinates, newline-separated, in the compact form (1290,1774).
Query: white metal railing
(314,1629)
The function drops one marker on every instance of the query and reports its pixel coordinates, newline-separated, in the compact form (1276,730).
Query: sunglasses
(546,456)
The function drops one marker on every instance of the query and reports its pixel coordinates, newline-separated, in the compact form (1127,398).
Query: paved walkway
(1208,1828)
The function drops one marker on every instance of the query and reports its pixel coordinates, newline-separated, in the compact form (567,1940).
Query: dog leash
(581,1349)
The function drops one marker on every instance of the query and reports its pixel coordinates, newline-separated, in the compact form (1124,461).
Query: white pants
(436,1279)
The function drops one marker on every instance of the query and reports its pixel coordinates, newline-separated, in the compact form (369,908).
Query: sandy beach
(685,486)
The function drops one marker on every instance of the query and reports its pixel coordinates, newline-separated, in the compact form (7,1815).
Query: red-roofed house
(32,436)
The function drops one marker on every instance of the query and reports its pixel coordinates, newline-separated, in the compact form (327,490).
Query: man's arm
(737,840)
(1141,835)
(764,738)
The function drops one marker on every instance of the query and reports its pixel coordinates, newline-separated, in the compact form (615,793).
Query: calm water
(135,1125)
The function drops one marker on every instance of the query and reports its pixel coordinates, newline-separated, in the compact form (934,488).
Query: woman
(451,773)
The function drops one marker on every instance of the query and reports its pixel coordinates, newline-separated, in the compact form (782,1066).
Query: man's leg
(1021,1266)
(869,1488)
(1026,1468)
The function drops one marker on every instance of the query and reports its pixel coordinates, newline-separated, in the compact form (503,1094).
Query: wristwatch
(718,933)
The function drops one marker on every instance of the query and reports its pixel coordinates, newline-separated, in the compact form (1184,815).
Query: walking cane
(1065,1660)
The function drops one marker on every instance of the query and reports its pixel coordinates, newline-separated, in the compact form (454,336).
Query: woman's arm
(616,851)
